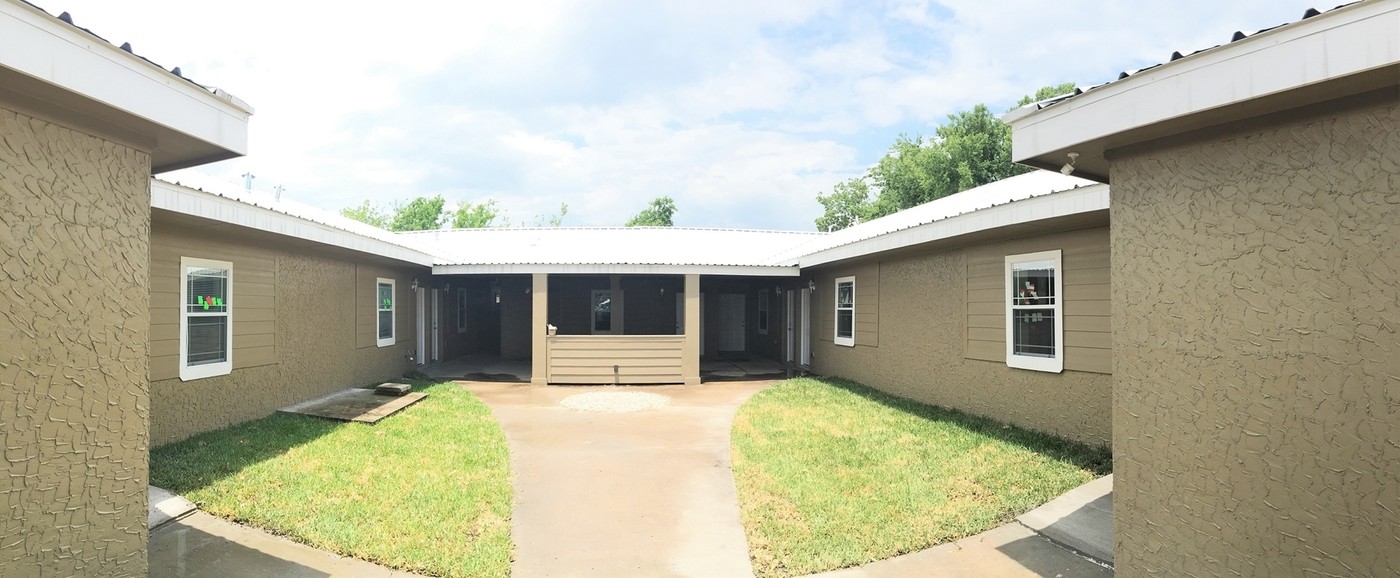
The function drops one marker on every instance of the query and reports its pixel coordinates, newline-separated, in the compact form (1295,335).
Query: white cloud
(742,111)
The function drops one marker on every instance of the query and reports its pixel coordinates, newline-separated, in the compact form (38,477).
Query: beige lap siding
(624,359)
(303,321)
(1085,263)
(919,321)
(252,300)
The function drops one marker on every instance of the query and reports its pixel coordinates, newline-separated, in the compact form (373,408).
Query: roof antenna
(248,181)
(277,190)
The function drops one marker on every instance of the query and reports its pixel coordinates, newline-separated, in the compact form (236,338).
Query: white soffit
(1335,44)
(244,213)
(36,44)
(1083,199)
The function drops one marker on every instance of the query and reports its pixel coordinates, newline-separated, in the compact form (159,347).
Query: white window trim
(461,310)
(1054,364)
(612,303)
(203,370)
(393,312)
(764,320)
(836,312)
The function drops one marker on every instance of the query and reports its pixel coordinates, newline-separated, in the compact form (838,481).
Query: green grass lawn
(834,474)
(426,490)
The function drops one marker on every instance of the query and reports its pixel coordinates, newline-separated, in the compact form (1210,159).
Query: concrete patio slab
(1081,519)
(354,404)
(640,493)
(203,546)
(164,506)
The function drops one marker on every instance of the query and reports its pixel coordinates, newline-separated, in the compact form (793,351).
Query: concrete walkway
(646,493)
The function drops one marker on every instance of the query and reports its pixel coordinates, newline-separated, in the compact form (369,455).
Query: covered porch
(618,306)
(616,329)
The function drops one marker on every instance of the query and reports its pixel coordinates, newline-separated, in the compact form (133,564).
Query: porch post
(539,329)
(690,363)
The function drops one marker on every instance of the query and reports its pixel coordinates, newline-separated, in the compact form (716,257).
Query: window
(384,310)
(846,311)
(763,313)
(206,318)
(602,312)
(1034,313)
(461,310)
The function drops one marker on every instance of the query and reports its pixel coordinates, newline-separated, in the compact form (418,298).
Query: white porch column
(539,329)
(690,364)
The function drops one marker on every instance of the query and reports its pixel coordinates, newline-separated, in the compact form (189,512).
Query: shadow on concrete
(180,550)
(1038,556)
(1097,459)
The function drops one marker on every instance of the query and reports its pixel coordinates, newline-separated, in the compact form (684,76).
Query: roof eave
(1041,208)
(53,69)
(1349,48)
(614,269)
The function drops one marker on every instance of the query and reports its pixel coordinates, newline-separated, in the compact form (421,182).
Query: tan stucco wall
(1257,353)
(320,303)
(74,219)
(913,308)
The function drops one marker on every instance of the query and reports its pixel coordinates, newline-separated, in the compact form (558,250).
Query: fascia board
(188,201)
(1065,203)
(50,50)
(614,269)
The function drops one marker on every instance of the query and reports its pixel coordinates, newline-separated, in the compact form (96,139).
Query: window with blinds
(206,318)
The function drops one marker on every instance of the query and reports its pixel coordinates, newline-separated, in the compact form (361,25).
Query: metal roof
(1178,55)
(196,201)
(1019,187)
(126,47)
(667,246)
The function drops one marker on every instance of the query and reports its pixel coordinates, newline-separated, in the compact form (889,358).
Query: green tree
(657,214)
(848,204)
(972,148)
(367,213)
(420,214)
(552,220)
(478,216)
(1046,92)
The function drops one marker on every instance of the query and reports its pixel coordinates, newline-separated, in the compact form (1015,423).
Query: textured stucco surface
(922,313)
(74,224)
(315,334)
(1256,353)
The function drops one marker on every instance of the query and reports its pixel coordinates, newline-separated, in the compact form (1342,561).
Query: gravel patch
(615,401)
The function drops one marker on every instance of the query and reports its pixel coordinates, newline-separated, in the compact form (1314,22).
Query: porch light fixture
(414,286)
(1069,166)
(811,285)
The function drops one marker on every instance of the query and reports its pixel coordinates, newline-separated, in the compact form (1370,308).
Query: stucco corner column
(539,329)
(690,352)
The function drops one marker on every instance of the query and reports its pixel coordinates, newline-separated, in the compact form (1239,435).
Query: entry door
(789,319)
(731,322)
(437,322)
(422,354)
(680,318)
(804,328)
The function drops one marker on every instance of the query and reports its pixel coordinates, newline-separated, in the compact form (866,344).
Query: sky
(741,111)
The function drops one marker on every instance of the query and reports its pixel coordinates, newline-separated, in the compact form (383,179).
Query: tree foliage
(657,214)
(972,148)
(848,204)
(552,220)
(420,214)
(478,216)
(367,213)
